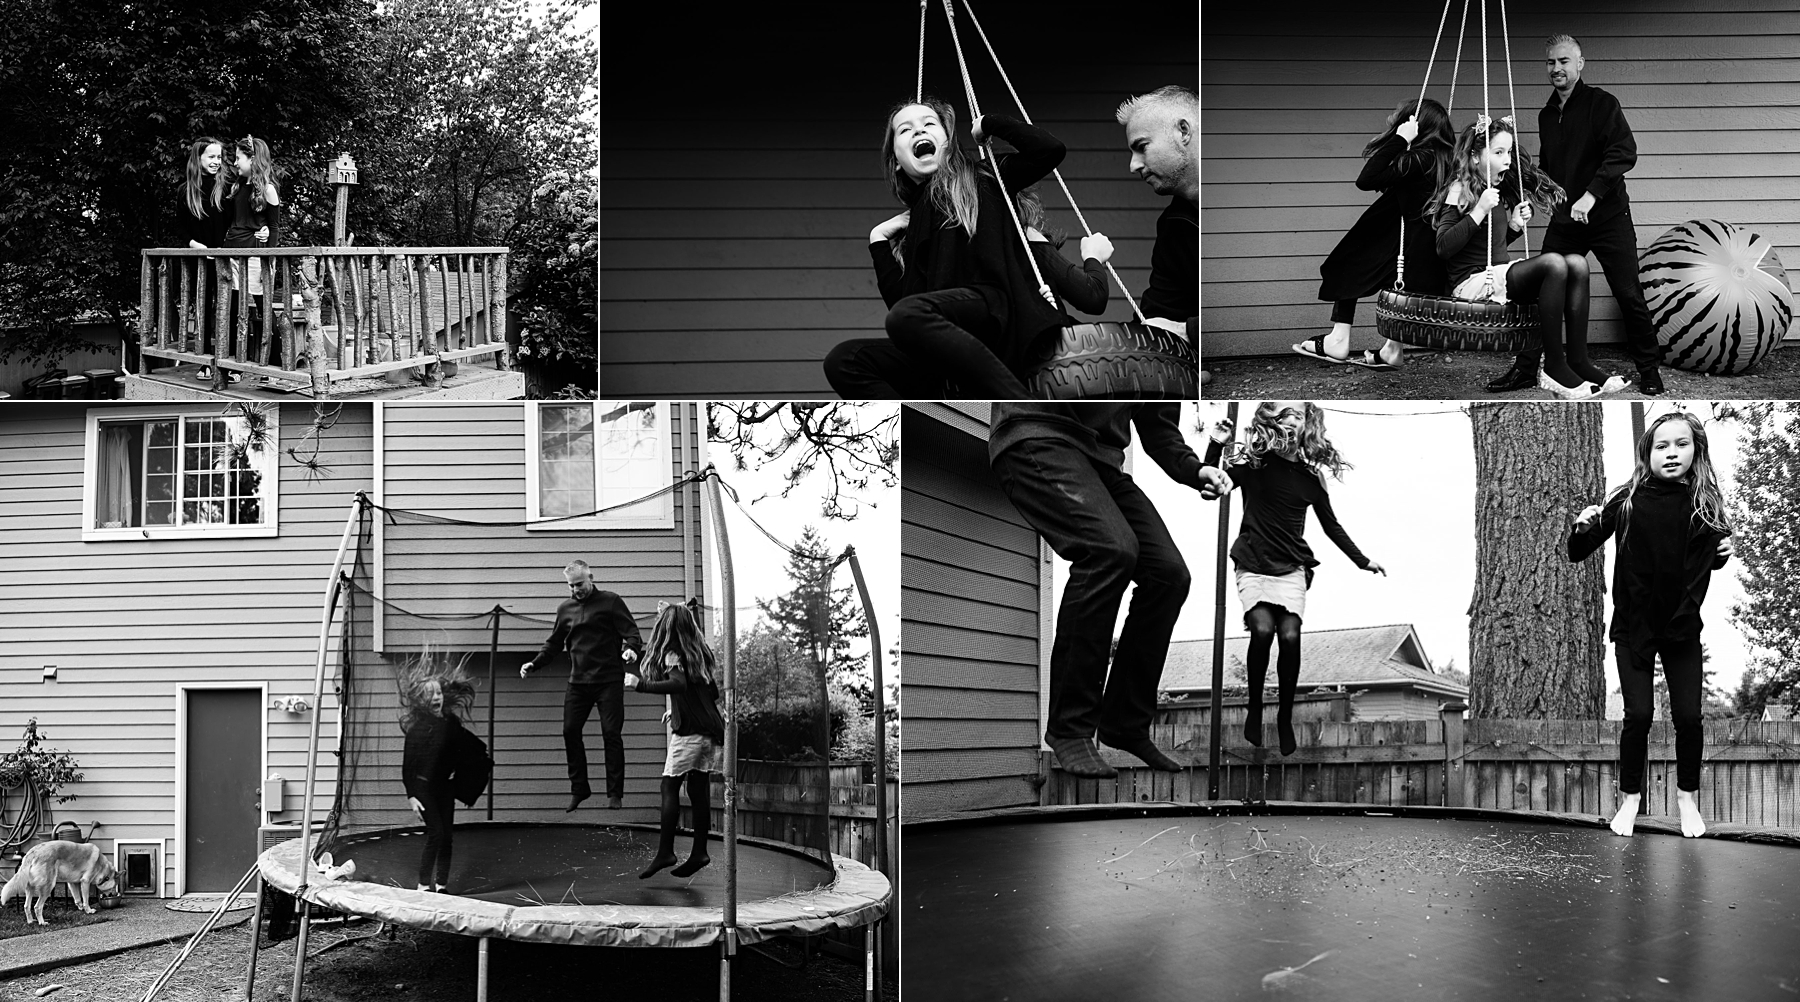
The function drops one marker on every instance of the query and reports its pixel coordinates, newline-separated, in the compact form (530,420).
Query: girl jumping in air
(964,305)
(679,665)
(431,694)
(1281,468)
(1669,521)
(1407,163)
(1557,283)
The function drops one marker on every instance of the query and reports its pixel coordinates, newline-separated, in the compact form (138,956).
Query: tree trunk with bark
(1536,640)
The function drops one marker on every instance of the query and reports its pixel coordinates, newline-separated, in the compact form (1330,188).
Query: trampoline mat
(524,865)
(1342,907)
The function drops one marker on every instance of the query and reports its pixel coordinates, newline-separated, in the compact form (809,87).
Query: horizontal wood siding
(734,230)
(969,639)
(125,620)
(468,461)
(1290,95)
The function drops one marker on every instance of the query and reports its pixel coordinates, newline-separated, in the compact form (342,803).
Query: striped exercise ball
(1718,296)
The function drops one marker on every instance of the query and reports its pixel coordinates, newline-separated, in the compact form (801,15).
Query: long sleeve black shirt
(1462,242)
(1101,431)
(246,219)
(427,759)
(208,228)
(594,631)
(1662,567)
(1272,537)
(1587,148)
(1174,290)
(1082,287)
(693,706)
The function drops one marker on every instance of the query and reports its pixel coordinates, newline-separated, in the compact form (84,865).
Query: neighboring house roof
(1361,657)
(1776,712)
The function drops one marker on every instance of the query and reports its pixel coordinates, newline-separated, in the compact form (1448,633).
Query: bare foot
(1689,807)
(1624,821)
(1393,353)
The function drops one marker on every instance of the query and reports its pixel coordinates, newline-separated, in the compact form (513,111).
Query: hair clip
(1482,122)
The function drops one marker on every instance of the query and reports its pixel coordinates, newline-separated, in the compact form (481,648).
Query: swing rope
(1129,298)
(1482,124)
(919,86)
(1462,32)
(986,147)
(1512,100)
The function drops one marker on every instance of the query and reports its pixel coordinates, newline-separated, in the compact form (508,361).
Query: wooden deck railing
(325,313)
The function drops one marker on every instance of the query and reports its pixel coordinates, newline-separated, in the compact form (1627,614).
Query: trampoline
(1228,900)
(577,884)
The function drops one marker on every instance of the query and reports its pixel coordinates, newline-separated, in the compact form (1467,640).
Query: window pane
(159,513)
(162,434)
(631,456)
(565,460)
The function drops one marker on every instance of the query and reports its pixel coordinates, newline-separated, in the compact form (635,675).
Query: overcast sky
(1409,505)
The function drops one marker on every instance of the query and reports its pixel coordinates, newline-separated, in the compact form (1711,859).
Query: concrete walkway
(136,922)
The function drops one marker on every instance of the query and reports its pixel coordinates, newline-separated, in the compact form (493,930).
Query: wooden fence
(354,312)
(782,801)
(1747,775)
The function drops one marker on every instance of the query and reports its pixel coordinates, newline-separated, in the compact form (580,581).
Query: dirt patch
(1463,376)
(61,913)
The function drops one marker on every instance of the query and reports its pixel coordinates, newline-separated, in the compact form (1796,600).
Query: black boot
(671,819)
(1522,376)
(700,797)
(1649,382)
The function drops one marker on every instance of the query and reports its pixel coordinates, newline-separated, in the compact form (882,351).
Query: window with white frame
(174,474)
(587,456)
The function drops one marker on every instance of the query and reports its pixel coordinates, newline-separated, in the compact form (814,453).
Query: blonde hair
(1310,445)
(1702,479)
(196,177)
(1172,96)
(953,189)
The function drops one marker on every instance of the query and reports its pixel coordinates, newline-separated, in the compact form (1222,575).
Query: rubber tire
(1115,361)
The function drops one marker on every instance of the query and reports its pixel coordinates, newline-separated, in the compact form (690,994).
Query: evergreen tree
(820,620)
(1764,508)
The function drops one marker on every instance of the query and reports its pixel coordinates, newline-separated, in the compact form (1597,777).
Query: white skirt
(688,752)
(1488,285)
(247,271)
(1285,590)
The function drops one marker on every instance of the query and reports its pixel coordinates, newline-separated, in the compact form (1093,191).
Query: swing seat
(1115,361)
(1442,323)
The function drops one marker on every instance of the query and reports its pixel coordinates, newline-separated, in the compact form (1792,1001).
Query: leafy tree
(1764,508)
(855,442)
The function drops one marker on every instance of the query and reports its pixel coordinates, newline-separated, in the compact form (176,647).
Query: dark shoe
(1253,729)
(1649,382)
(1145,749)
(662,862)
(1079,758)
(1285,728)
(1522,376)
(575,800)
(691,867)
(614,803)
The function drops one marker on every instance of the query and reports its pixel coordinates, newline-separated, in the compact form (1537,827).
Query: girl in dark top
(255,219)
(1407,163)
(202,195)
(680,665)
(1467,238)
(1669,520)
(1084,288)
(430,695)
(1281,468)
(963,303)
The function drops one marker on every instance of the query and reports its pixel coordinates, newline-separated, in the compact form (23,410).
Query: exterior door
(224,776)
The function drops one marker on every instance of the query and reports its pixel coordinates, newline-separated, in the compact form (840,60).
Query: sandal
(1314,347)
(1371,360)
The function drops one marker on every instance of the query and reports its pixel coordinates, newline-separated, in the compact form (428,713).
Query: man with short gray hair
(597,630)
(1162,130)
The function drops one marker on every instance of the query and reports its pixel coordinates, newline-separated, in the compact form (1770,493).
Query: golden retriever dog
(81,865)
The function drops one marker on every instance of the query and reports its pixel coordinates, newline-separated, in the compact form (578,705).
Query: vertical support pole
(1214,737)
(728,624)
(493,653)
(255,936)
(1456,789)
(882,862)
(300,944)
(869,934)
(481,971)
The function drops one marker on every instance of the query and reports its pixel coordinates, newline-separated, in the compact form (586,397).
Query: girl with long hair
(202,195)
(1281,468)
(964,306)
(435,694)
(1467,237)
(1670,529)
(255,220)
(1408,162)
(679,665)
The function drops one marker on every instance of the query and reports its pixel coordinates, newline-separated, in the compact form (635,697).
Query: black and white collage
(906,500)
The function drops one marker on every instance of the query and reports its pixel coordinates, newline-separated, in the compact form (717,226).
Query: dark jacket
(1365,261)
(207,228)
(1101,431)
(1587,148)
(594,631)
(1174,289)
(1272,538)
(440,751)
(693,706)
(1661,569)
(992,262)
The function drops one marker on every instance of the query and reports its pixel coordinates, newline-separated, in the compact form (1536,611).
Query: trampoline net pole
(493,653)
(318,707)
(728,626)
(1214,738)
(881,844)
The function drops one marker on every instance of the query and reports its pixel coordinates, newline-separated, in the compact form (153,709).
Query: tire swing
(1134,360)
(1445,323)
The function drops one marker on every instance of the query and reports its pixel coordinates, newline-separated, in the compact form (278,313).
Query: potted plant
(48,770)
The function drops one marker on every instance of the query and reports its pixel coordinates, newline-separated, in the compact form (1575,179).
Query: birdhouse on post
(341,175)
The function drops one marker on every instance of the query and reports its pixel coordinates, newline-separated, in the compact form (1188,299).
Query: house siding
(1707,86)
(734,233)
(970,625)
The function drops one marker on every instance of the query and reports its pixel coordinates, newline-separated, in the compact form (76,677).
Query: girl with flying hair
(964,306)
(1281,468)
(435,694)
(1408,162)
(1467,236)
(1669,524)
(679,665)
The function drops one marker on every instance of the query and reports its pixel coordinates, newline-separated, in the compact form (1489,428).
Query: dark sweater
(1587,148)
(594,631)
(246,220)
(992,262)
(428,758)
(1100,431)
(693,706)
(208,228)
(1174,290)
(1365,261)
(1462,242)
(1662,567)
(1084,288)
(1272,537)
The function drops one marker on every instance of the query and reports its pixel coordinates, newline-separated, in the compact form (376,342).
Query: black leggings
(1637,683)
(699,797)
(440,821)
(1343,311)
(1558,284)
(935,336)
(1267,623)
